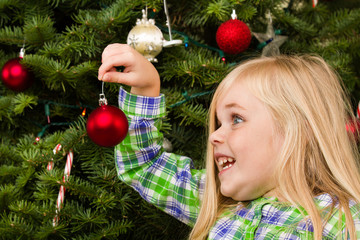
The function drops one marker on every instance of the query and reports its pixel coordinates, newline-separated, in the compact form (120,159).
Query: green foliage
(21,101)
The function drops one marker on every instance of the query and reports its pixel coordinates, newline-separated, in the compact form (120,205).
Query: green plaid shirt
(171,183)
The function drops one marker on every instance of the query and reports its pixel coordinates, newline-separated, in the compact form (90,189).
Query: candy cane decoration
(61,195)
(314,3)
(50,165)
(358,110)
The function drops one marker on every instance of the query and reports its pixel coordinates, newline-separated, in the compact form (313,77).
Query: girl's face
(245,145)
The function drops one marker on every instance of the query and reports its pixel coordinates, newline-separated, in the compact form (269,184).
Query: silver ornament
(146,38)
(167,145)
(272,42)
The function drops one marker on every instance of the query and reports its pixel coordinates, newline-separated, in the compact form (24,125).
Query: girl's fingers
(120,77)
(111,62)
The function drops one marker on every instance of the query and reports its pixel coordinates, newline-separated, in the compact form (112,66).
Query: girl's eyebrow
(234,105)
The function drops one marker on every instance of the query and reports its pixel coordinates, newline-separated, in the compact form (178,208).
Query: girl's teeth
(226,167)
(224,160)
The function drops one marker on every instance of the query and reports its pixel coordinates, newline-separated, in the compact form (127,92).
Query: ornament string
(102,87)
(102,99)
(61,195)
(167,19)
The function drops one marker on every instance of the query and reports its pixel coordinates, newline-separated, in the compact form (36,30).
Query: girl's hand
(139,73)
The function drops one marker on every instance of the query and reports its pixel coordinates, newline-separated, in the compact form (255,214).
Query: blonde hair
(311,109)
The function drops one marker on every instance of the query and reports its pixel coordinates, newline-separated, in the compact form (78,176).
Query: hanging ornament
(15,76)
(107,125)
(61,195)
(167,145)
(353,126)
(147,39)
(314,3)
(269,41)
(233,36)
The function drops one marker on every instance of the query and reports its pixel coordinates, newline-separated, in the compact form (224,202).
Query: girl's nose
(217,137)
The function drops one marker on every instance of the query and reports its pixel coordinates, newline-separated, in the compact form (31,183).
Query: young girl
(280,164)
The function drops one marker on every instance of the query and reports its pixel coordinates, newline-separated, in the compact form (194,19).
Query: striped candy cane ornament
(50,165)
(61,195)
(314,3)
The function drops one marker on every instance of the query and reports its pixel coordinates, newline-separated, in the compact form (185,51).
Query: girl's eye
(237,119)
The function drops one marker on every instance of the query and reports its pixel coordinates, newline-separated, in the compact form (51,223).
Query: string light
(222,56)
(37,139)
(186,41)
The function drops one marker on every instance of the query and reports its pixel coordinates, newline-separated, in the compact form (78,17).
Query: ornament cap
(22,53)
(102,100)
(233,15)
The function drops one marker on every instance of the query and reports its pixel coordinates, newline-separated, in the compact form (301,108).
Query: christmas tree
(43,118)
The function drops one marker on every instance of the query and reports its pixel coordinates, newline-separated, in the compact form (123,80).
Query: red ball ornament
(233,36)
(353,127)
(15,76)
(107,126)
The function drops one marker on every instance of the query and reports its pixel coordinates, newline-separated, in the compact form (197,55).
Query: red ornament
(15,76)
(107,126)
(353,127)
(233,36)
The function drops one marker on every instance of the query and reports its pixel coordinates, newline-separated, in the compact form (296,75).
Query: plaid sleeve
(164,179)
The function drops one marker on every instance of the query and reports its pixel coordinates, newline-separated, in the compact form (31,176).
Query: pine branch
(218,9)
(195,114)
(107,20)
(22,101)
(341,23)
(13,225)
(295,25)
(8,194)
(74,135)
(8,173)
(199,68)
(38,30)
(48,231)
(27,210)
(55,74)
(11,35)
(109,231)
(184,142)
(6,109)
(113,229)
